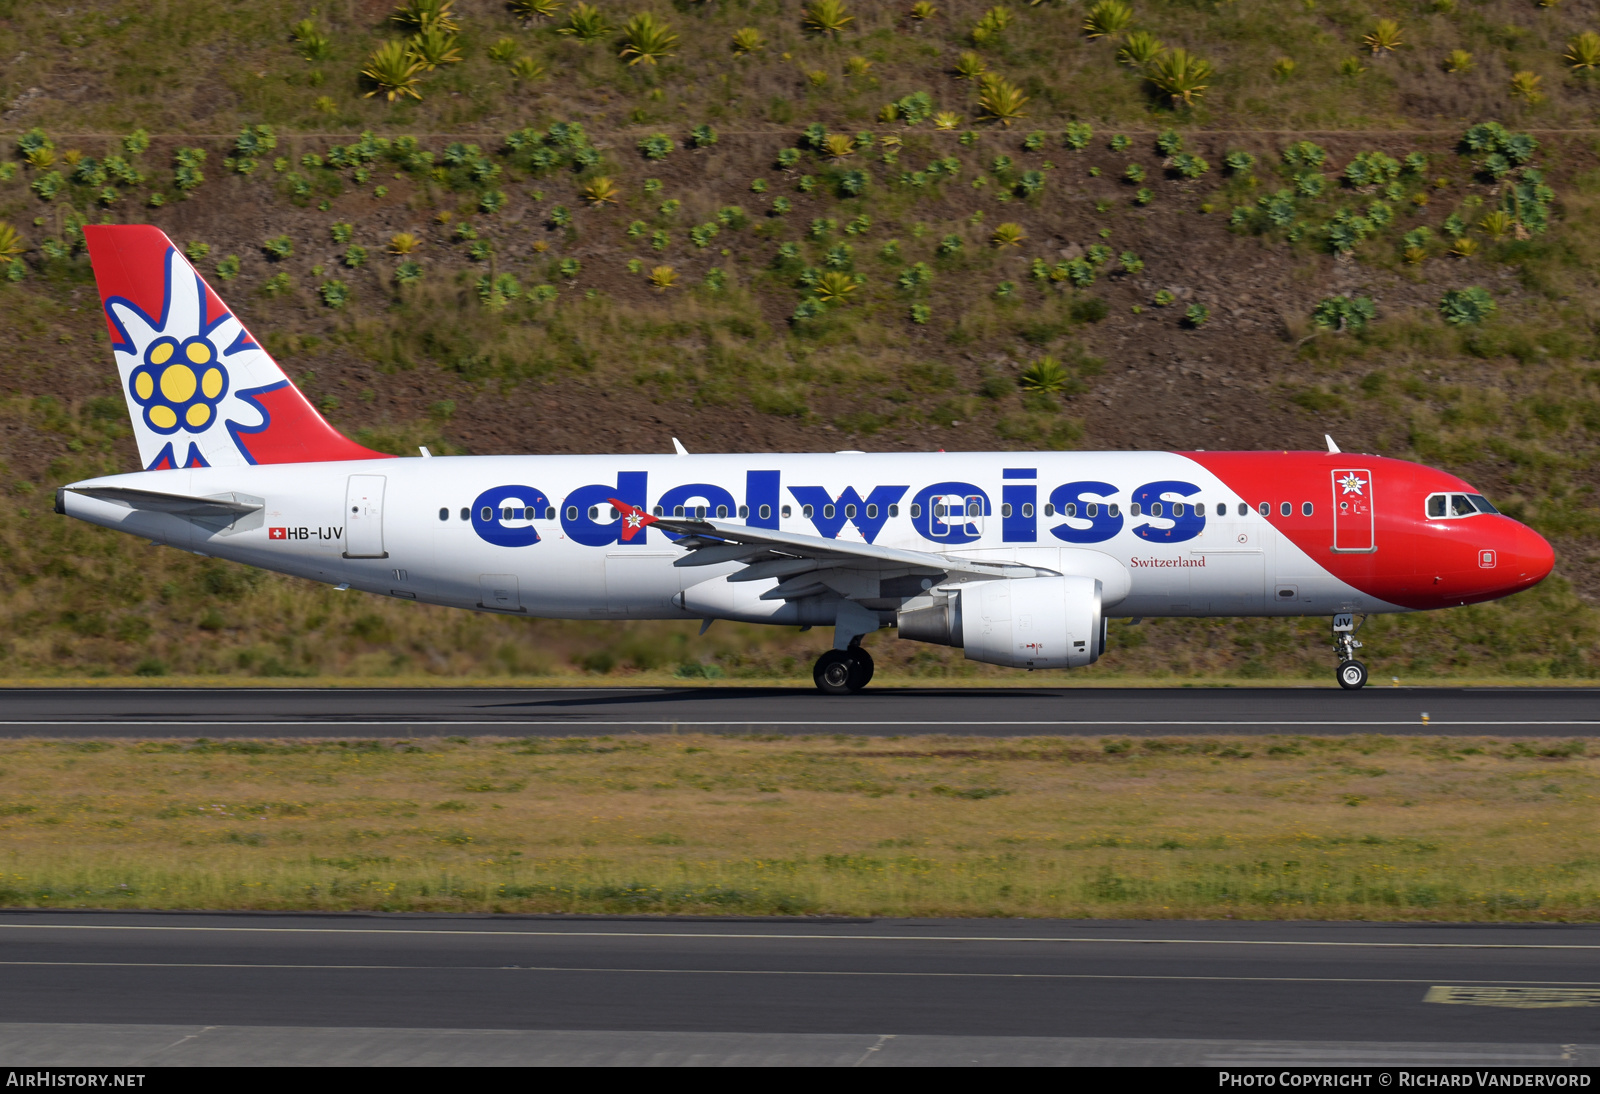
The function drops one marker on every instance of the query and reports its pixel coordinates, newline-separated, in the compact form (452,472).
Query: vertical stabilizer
(200,390)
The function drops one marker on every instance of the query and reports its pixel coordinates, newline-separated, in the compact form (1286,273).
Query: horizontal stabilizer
(227,507)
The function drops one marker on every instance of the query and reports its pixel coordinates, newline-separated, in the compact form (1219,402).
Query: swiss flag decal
(277,533)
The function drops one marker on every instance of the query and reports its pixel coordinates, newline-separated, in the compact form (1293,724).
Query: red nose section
(1534,556)
(1508,557)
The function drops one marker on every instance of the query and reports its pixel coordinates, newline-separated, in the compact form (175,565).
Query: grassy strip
(1371,827)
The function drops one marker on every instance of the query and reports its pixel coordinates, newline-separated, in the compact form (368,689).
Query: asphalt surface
(130,987)
(1000,712)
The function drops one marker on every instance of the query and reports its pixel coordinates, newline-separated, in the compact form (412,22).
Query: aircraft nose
(1530,555)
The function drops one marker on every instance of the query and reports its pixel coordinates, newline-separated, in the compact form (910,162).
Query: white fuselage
(416,528)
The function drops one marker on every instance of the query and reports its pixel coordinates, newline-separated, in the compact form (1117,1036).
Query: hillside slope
(611,256)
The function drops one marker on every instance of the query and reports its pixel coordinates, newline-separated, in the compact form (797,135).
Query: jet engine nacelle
(1027,623)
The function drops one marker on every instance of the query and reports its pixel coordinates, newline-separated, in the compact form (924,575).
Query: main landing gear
(843,672)
(1351,674)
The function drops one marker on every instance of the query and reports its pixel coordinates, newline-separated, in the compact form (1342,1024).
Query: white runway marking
(892,974)
(761,936)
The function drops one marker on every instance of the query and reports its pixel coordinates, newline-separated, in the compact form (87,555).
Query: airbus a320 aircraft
(1015,557)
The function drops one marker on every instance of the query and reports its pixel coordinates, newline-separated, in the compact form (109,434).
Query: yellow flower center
(178,383)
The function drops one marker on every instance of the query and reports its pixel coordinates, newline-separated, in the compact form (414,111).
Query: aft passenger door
(363,517)
(1354,530)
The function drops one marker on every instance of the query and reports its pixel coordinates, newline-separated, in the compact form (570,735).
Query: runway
(118,989)
(888,711)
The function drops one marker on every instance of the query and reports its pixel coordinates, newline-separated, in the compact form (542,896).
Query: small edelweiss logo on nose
(179,384)
(1352,484)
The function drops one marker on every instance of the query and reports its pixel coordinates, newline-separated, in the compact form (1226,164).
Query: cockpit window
(1449,506)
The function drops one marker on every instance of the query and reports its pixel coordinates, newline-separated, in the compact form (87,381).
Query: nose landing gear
(1351,674)
(843,672)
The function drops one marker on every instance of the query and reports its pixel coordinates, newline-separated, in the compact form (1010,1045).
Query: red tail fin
(201,391)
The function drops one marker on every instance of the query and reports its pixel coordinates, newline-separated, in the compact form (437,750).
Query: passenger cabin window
(916,510)
(766,512)
(806,510)
(572,513)
(744,511)
(444,514)
(1027,509)
(658,511)
(1266,508)
(722,512)
(1115,510)
(787,511)
(1244,510)
(1306,508)
(1049,510)
(1286,508)
(1447,506)
(1005,509)
(872,512)
(1134,510)
(894,511)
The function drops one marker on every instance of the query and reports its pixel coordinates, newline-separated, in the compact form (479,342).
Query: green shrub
(1196,315)
(1371,169)
(1341,313)
(1045,376)
(278,248)
(1465,307)
(1303,155)
(657,146)
(335,294)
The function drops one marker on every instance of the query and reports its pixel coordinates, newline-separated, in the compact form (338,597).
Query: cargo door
(499,592)
(363,517)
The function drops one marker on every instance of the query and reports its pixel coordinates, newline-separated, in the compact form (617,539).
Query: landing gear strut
(1351,674)
(843,672)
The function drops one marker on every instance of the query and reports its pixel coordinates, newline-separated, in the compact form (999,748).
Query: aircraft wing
(810,565)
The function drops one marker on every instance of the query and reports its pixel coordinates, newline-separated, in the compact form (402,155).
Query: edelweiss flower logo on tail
(180,384)
(1352,483)
(200,391)
(181,370)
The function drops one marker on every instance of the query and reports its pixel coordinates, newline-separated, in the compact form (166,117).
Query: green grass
(1368,827)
